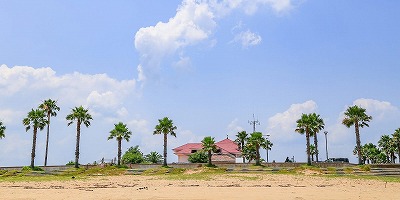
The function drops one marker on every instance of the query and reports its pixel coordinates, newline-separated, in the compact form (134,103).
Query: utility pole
(254,123)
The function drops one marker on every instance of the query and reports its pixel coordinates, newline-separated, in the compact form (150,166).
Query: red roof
(187,148)
(226,146)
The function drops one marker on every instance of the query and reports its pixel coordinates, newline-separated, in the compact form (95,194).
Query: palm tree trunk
(119,151)
(244,159)
(47,139)
(392,156)
(33,153)
(398,152)
(358,143)
(165,150)
(308,148)
(258,155)
(209,158)
(316,146)
(78,137)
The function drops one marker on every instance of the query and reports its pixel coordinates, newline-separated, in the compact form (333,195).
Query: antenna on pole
(254,123)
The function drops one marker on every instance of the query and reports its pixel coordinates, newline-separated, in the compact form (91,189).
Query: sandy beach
(227,186)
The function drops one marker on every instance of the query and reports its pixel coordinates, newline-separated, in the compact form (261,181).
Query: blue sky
(208,65)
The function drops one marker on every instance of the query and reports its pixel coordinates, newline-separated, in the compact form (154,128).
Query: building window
(193,151)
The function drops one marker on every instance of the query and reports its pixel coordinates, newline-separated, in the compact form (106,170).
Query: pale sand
(229,186)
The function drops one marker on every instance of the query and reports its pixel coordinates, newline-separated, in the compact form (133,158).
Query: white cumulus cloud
(193,23)
(282,125)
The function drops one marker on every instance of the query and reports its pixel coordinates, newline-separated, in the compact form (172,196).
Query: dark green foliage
(133,156)
(153,157)
(71,163)
(29,168)
(198,157)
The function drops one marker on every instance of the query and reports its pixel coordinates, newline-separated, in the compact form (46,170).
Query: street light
(326,144)
(266,137)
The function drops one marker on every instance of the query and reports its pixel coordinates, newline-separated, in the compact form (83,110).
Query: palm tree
(309,124)
(37,120)
(388,147)
(153,157)
(81,115)
(257,141)
(241,138)
(396,139)
(2,130)
(312,151)
(50,107)
(165,127)
(317,125)
(120,132)
(356,116)
(209,146)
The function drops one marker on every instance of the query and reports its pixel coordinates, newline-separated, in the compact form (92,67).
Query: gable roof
(226,146)
(187,148)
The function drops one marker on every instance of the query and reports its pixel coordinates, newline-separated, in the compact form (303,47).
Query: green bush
(366,168)
(70,163)
(133,155)
(198,157)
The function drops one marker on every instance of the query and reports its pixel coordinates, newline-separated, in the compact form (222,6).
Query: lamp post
(326,144)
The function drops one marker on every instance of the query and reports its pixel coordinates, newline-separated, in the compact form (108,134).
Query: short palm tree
(165,127)
(312,151)
(153,157)
(396,139)
(257,141)
(37,120)
(241,138)
(2,130)
(356,116)
(51,108)
(81,116)
(120,132)
(209,146)
(387,145)
(304,126)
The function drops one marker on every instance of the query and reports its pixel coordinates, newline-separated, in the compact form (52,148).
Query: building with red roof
(227,151)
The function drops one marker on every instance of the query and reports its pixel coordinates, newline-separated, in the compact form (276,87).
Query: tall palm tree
(50,107)
(396,139)
(356,116)
(37,120)
(304,126)
(209,146)
(241,138)
(165,127)
(316,126)
(2,130)
(388,147)
(120,132)
(257,141)
(81,116)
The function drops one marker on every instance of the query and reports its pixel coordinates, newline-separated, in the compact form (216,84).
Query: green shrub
(70,163)
(348,170)
(3,172)
(366,168)
(198,157)
(133,155)
(28,168)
